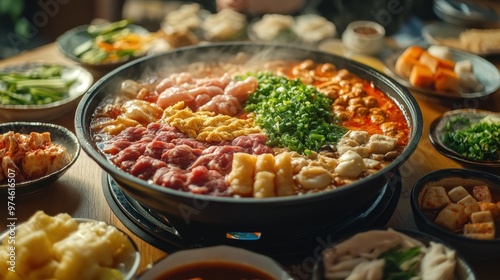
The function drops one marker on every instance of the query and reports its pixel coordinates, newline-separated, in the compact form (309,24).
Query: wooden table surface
(79,192)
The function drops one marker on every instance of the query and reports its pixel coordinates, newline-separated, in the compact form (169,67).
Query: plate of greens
(471,136)
(40,91)
(105,45)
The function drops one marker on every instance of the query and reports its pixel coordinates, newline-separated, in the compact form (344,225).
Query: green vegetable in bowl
(293,114)
(479,141)
(41,85)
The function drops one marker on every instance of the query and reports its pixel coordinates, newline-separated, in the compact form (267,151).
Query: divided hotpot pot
(197,216)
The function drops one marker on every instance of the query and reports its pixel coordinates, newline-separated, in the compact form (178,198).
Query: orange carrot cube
(446,80)
(421,76)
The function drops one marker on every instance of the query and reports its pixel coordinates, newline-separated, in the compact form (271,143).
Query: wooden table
(79,192)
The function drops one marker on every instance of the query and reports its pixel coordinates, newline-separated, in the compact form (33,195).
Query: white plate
(53,110)
(486,73)
(448,35)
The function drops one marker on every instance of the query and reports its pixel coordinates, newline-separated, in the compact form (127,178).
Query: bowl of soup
(461,207)
(216,262)
(248,137)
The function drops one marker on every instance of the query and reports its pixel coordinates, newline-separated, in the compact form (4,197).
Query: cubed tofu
(490,206)
(429,60)
(442,52)
(457,193)
(481,217)
(446,63)
(404,65)
(446,80)
(434,197)
(406,61)
(470,204)
(482,193)
(480,230)
(413,51)
(421,76)
(452,217)
(463,66)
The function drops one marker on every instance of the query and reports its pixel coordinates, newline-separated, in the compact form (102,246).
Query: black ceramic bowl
(194,215)
(463,270)
(472,249)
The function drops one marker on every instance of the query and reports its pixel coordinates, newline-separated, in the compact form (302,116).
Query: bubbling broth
(247,128)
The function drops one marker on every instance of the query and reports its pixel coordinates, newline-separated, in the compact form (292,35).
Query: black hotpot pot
(197,216)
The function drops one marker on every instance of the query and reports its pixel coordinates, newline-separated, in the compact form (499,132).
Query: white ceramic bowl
(216,254)
(364,37)
(54,110)
(127,262)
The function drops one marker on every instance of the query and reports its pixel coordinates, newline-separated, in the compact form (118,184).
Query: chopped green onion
(480,141)
(293,114)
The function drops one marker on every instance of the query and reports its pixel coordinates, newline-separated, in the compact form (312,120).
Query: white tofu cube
(434,197)
(481,217)
(470,204)
(457,193)
(452,217)
(487,230)
(482,193)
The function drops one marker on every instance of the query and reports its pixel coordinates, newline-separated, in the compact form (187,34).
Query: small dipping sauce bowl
(364,37)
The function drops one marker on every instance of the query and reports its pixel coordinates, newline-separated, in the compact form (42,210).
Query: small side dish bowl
(58,135)
(456,125)
(364,37)
(221,262)
(69,42)
(50,111)
(370,246)
(64,247)
(454,218)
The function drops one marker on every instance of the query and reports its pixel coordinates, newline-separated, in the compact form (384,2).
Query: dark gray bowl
(194,215)
(472,249)
(59,135)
